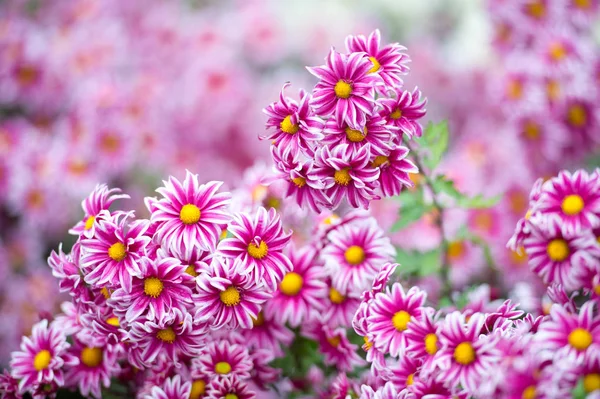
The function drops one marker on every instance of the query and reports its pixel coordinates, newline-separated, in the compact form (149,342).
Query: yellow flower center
(368,344)
(531,130)
(153,287)
(400,320)
(456,250)
(231,396)
(117,251)
(230,297)
(105,293)
(342,177)
(514,91)
(397,114)
(519,256)
(91,357)
(558,250)
(376,65)
(299,181)
(572,204)
(529,393)
(191,271)
(113,321)
(342,89)
(189,214)
(288,127)
(355,255)
(464,353)
(597,289)
(431,344)
(334,341)
(580,339)
(536,9)
(222,368)
(583,3)
(553,90)
(557,51)
(291,284)
(259,321)
(355,136)
(577,116)
(26,75)
(223,234)
(591,382)
(42,360)
(198,389)
(379,160)
(258,252)
(335,296)
(90,222)
(410,379)
(166,335)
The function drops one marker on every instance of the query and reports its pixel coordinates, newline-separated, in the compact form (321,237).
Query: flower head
(99,200)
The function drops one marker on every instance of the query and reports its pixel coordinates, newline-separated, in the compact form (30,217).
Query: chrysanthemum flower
(111,258)
(464,356)
(97,365)
(160,288)
(404,371)
(173,336)
(375,133)
(334,345)
(296,127)
(388,62)
(229,388)
(422,337)
(9,386)
(225,297)
(99,200)
(67,272)
(258,243)
(355,254)
(347,175)
(262,374)
(339,309)
(388,391)
(267,332)
(103,327)
(224,359)
(573,200)
(345,89)
(404,112)
(570,334)
(42,358)
(395,170)
(190,213)
(301,291)
(173,388)
(390,315)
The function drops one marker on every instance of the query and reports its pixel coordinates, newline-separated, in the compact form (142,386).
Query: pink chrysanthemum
(160,288)
(347,175)
(375,133)
(337,350)
(172,388)
(262,374)
(224,359)
(394,171)
(570,334)
(301,291)
(422,337)
(41,359)
(465,356)
(9,386)
(225,297)
(573,200)
(227,388)
(295,125)
(258,243)
(388,62)
(67,272)
(404,371)
(111,258)
(388,391)
(355,254)
(190,213)
(339,308)
(390,315)
(267,332)
(404,112)
(345,89)
(99,200)
(174,336)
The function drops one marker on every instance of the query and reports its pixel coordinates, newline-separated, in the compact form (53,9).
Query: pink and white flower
(224,359)
(99,200)
(172,388)
(375,133)
(395,170)
(220,388)
(404,112)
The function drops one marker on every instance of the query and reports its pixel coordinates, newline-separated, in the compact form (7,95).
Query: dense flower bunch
(343,141)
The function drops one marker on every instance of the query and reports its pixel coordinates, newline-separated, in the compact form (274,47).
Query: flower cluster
(343,141)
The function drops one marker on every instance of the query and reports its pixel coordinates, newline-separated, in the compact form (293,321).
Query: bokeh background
(129,92)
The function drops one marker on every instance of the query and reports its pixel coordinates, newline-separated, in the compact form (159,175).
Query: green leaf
(412,208)
(579,391)
(441,184)
(435,142)
(420,263)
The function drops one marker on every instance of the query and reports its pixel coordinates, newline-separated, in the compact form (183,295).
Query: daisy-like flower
(267,332)
(190,213)
(380,281)
(229,388)
(301,291)
(295,125)
(111,258)
(99,200)
(422,337)
(174,336)
(160,289)
(388,62)
(41,358)
(347,174)
(337,350)
(67,272)
(403,373)
(9,386)
(573,200)
(345,89)
(404,111)
(262,373)
(390,315)
(258,243)
(339,308)
(395,171)
(172,388)
(570,334)
(96,367)
(355,254)
(225,297)
(464,356)
(224,359)
(388,391)
(375,133)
